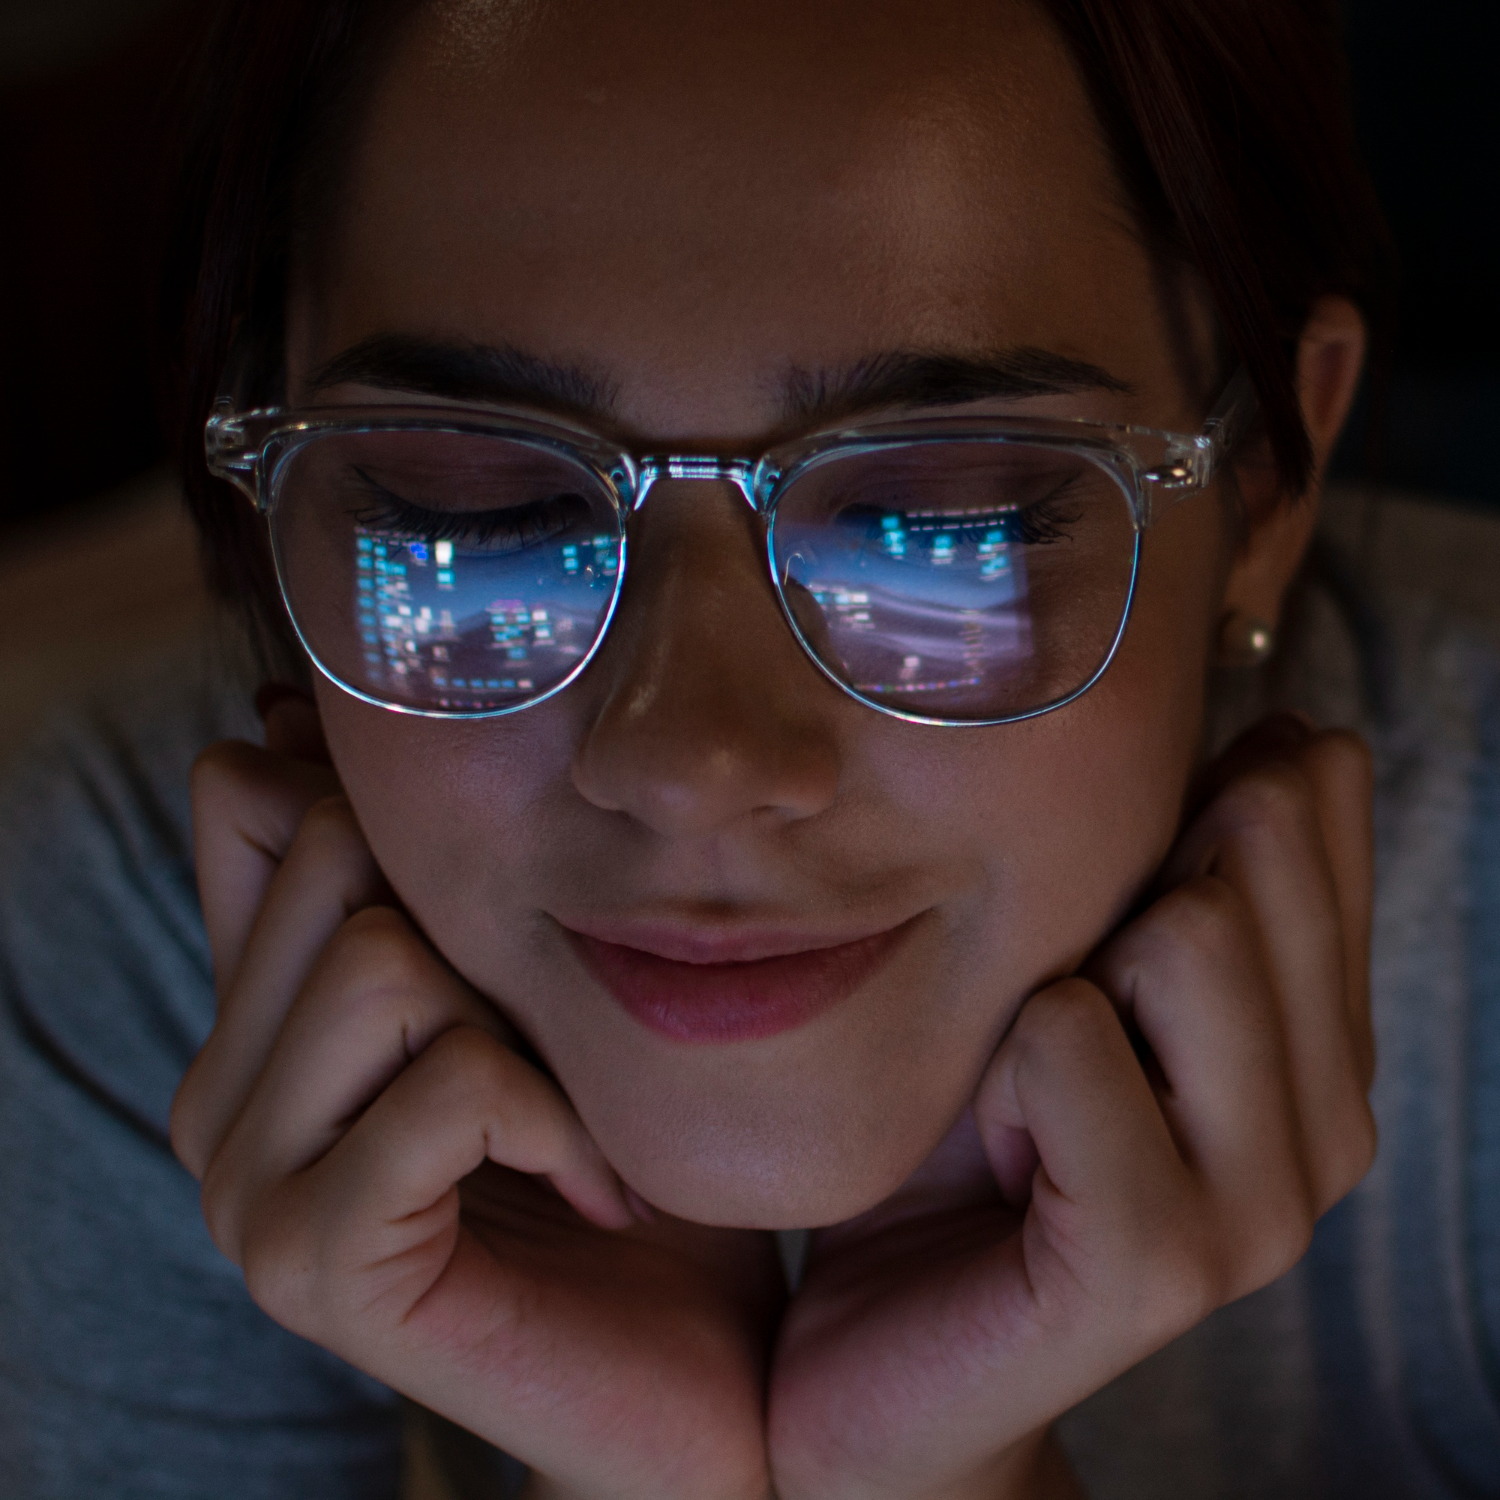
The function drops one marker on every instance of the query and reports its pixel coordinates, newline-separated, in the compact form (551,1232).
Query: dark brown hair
(1229,121)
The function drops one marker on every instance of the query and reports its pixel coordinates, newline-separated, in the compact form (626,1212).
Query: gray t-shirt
(132,1362)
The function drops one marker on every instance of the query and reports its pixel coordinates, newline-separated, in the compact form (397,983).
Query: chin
(762,1194)
(771,1163)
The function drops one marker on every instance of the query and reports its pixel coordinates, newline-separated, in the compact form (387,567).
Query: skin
(623,192)
(701,773)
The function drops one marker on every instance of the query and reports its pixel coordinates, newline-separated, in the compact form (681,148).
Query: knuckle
(1274,795)
(220,1197)
(329,822)
(223,773)
(1265,1240)
(1194,927)
(1281,1239)
(473,1063)
(377,972)
(184,1129)
(375,960)
(1184,1281)
(283,1271)
(1366,1143)
(381,945)
(1346,754)
(289,1266)
(225,761)
(1202,914)
(1351,1156)
(1197,1262)
(1069,1013)
(477,1076)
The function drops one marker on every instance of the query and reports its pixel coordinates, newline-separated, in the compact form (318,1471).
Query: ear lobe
(1330,356)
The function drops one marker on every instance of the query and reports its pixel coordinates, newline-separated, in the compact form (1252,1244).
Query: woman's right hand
(404,1189)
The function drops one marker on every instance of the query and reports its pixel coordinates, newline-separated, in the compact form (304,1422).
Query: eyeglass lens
(457,573)
(957,580)
(442,571)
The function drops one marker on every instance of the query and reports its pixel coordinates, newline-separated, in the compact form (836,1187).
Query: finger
(375,1000)
(327,875)
(293,727)
(466,1100)
(1342,774)
(1110,1182)
(247,806)
(1191,977)
(1339,768)
(1278,736)
(1263,836)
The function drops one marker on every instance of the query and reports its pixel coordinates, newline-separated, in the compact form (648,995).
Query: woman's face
(703,210)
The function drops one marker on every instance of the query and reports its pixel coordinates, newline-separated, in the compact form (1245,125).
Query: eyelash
(517,527)
(1039,524)
(1046,521)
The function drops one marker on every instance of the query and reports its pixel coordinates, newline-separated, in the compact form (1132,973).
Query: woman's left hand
(1093,1205)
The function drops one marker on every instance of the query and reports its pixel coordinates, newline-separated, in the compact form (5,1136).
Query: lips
(732,1001)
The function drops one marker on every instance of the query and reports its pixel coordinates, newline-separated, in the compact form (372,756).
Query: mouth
(695,992)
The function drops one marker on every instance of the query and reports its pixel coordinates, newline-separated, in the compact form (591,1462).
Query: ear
(1330,355)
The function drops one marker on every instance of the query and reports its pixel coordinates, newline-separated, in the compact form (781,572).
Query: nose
(708,713)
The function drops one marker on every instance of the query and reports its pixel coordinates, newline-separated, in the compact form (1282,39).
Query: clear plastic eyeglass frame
(1154,469)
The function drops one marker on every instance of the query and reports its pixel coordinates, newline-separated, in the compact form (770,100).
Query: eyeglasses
(466,562)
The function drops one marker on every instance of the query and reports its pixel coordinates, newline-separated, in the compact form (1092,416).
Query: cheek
(449,809)
(1077,809)
(1074,818)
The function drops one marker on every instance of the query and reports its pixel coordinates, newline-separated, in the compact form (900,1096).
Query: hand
(400,1186)
(1154,1138)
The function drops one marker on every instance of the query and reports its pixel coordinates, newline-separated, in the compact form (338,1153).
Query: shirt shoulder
(133,1359)
(103,958)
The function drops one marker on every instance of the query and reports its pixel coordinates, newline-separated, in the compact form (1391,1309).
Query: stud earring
(1244,641)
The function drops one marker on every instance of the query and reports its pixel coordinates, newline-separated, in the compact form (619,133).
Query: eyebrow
(467,372)
(503,374)
(910,378)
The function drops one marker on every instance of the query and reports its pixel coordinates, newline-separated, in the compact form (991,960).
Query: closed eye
(512,528)
(1036,525)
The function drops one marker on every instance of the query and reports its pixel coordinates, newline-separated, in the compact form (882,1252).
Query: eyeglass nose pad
(694,467)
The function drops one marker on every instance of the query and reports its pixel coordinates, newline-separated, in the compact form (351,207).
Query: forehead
(675,191)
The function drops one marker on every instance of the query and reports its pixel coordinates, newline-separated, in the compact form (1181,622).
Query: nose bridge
(689,466)
(705,714)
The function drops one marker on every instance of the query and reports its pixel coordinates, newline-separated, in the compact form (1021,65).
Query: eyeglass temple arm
(1225,425)
(1191,463)
(228,454)
(225,446)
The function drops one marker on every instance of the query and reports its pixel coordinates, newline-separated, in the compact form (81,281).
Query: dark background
(82,142)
